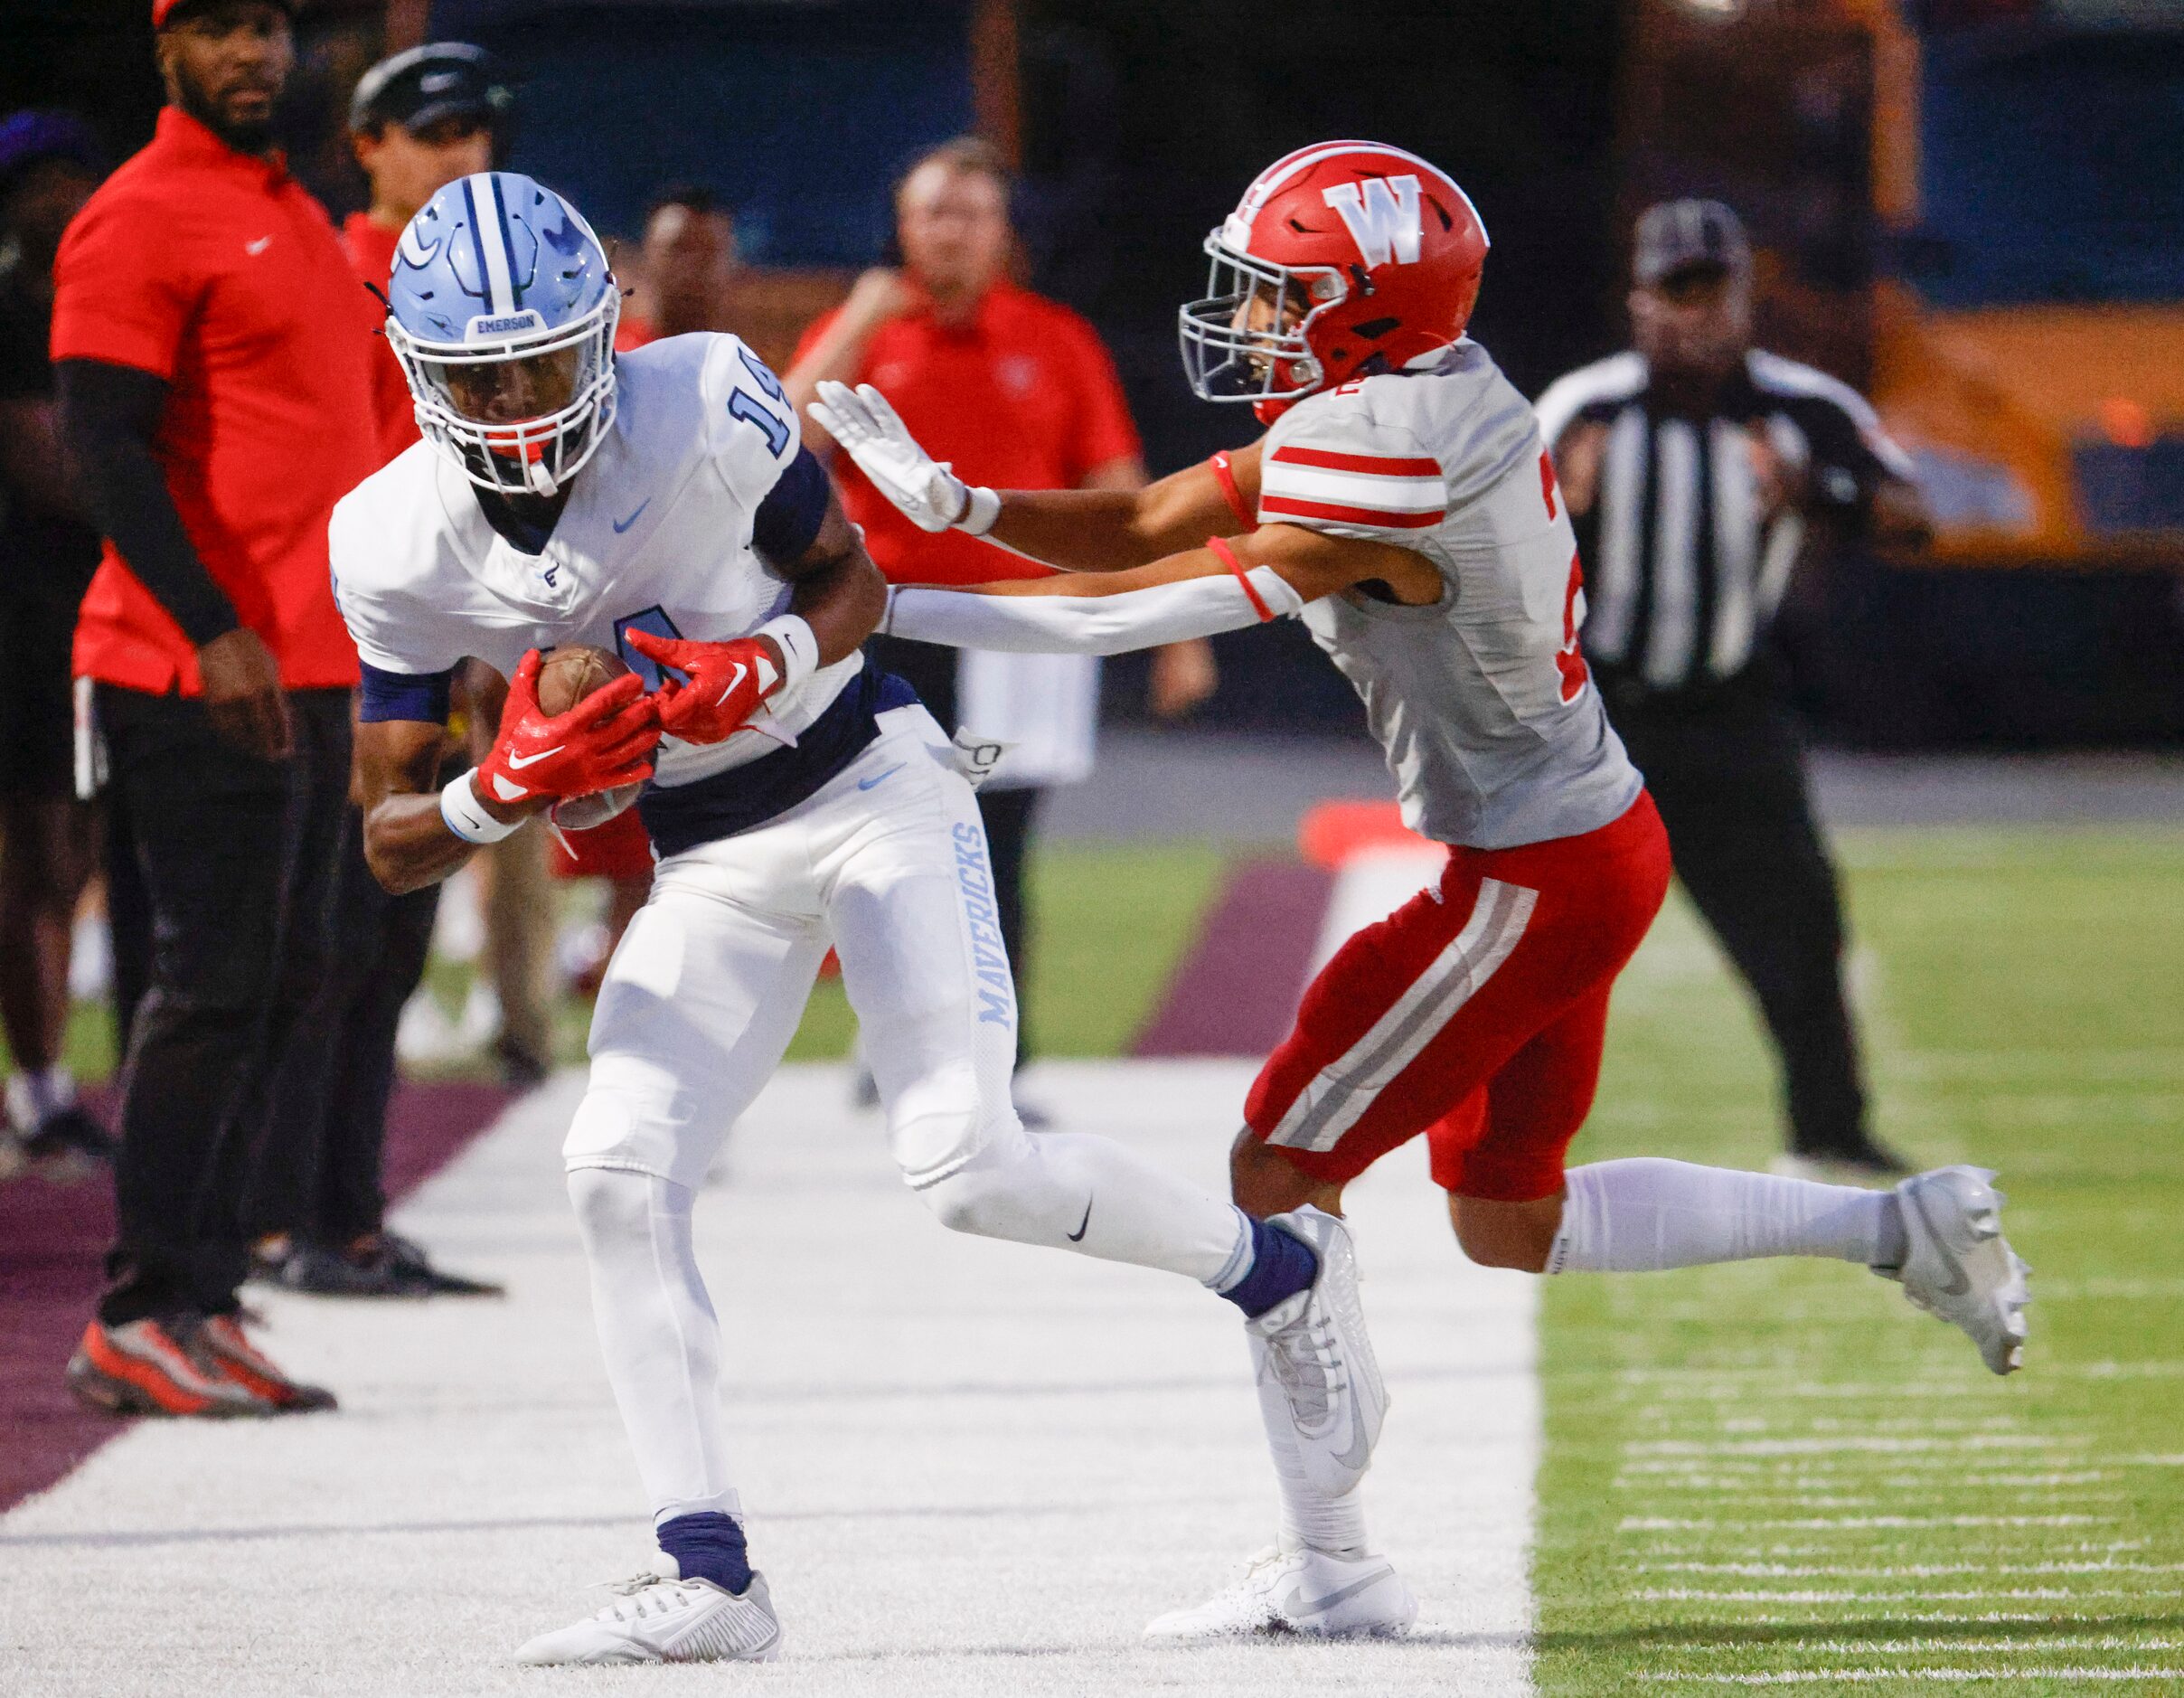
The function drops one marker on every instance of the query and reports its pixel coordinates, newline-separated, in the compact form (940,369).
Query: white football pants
(887,863)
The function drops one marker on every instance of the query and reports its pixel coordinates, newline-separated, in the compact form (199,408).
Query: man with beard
(213,351)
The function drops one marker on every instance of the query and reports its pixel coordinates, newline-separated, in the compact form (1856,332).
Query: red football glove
(602,743)
(725,682)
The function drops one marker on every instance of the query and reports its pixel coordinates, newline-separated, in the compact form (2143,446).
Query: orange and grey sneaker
(220,1339)
(142,1368)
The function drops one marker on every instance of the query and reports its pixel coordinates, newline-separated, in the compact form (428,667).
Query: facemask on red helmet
(1341,261)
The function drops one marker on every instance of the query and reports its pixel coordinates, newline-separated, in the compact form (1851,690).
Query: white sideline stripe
(973,1469)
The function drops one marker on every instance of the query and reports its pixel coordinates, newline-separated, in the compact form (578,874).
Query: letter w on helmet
(1381,214)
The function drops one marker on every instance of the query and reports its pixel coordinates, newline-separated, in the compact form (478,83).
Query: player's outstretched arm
(1084,530)
(1199,592)
(416,833)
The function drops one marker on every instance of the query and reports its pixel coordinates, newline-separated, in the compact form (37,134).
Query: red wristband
(1220,547)
(1226,478)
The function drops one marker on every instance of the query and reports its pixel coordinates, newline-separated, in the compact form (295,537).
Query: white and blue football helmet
(502,310)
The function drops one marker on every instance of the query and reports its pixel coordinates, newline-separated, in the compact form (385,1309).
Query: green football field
(1774,1474)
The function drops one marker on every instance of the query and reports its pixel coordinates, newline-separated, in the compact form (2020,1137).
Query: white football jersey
(656,535)
(1492,727)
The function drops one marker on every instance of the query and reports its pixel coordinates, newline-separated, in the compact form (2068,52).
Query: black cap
(1678,235)
(422,85)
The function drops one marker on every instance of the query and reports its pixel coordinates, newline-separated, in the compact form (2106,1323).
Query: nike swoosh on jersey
(1298,1604)
(1077,1237)
(623,525)
(866,784)
(516,763)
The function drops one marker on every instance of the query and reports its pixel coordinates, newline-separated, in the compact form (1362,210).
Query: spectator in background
(1697,469)
(318,1202)
(418,120)
(1017,392)
(49,165)
(214,359)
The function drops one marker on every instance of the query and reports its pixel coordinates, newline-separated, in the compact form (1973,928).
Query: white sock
(1311,1520)
(1644,1214)
(659,1335)
(33,1098)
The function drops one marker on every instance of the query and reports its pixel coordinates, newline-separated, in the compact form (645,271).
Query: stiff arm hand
(926,491)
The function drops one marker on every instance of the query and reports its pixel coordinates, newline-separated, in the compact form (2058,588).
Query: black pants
(1727,773)
(318,1171)
(1009,815)
(238,857)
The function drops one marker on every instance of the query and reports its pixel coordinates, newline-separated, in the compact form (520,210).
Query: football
(566,677)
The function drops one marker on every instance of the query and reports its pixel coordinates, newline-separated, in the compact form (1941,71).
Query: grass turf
(1777,1474)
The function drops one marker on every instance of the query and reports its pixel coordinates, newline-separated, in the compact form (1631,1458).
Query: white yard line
(969,1468)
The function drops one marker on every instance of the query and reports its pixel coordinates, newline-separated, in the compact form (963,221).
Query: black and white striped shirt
(1683,575)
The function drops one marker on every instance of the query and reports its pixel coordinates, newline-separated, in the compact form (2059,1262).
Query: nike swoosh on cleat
(1298,1604)
(1077,1237)
(1961,1281)
(623,525)
(866,784)
(518,762)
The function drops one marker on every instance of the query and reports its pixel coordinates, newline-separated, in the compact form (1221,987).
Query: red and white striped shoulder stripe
(1397,492)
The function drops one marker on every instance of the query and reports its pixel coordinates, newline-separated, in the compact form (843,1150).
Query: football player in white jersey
(1403,505)
(661,504)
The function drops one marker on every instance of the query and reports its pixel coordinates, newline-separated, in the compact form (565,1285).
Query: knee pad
(634,1117)
(1005,1191)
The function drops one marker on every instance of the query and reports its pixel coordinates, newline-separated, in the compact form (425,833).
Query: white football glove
(925,490)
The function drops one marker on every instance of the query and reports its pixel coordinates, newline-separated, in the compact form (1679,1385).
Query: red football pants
(1475,1013)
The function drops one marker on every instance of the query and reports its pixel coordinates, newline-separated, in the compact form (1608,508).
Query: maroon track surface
(1236,990)
(53,1238)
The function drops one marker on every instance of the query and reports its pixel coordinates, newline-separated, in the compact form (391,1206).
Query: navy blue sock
(1281,1267)
(707,1547)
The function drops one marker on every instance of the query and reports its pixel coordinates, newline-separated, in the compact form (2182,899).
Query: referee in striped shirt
(1698,471)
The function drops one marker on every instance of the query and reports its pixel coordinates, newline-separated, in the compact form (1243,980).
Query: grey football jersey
(1492,727)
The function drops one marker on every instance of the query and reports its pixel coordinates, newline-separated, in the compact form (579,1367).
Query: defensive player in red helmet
(1402,504)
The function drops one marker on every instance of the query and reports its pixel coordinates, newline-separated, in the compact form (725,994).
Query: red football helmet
(1341,259)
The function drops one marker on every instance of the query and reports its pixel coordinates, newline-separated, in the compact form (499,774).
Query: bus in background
(1970,209)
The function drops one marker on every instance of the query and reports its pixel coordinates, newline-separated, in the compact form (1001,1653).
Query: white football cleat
(1957,1264)
(1305,1592)
(659,1618)
(1311,1352)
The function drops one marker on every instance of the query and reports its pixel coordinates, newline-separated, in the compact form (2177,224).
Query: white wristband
(980,511)
(799,647)
(465,815)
